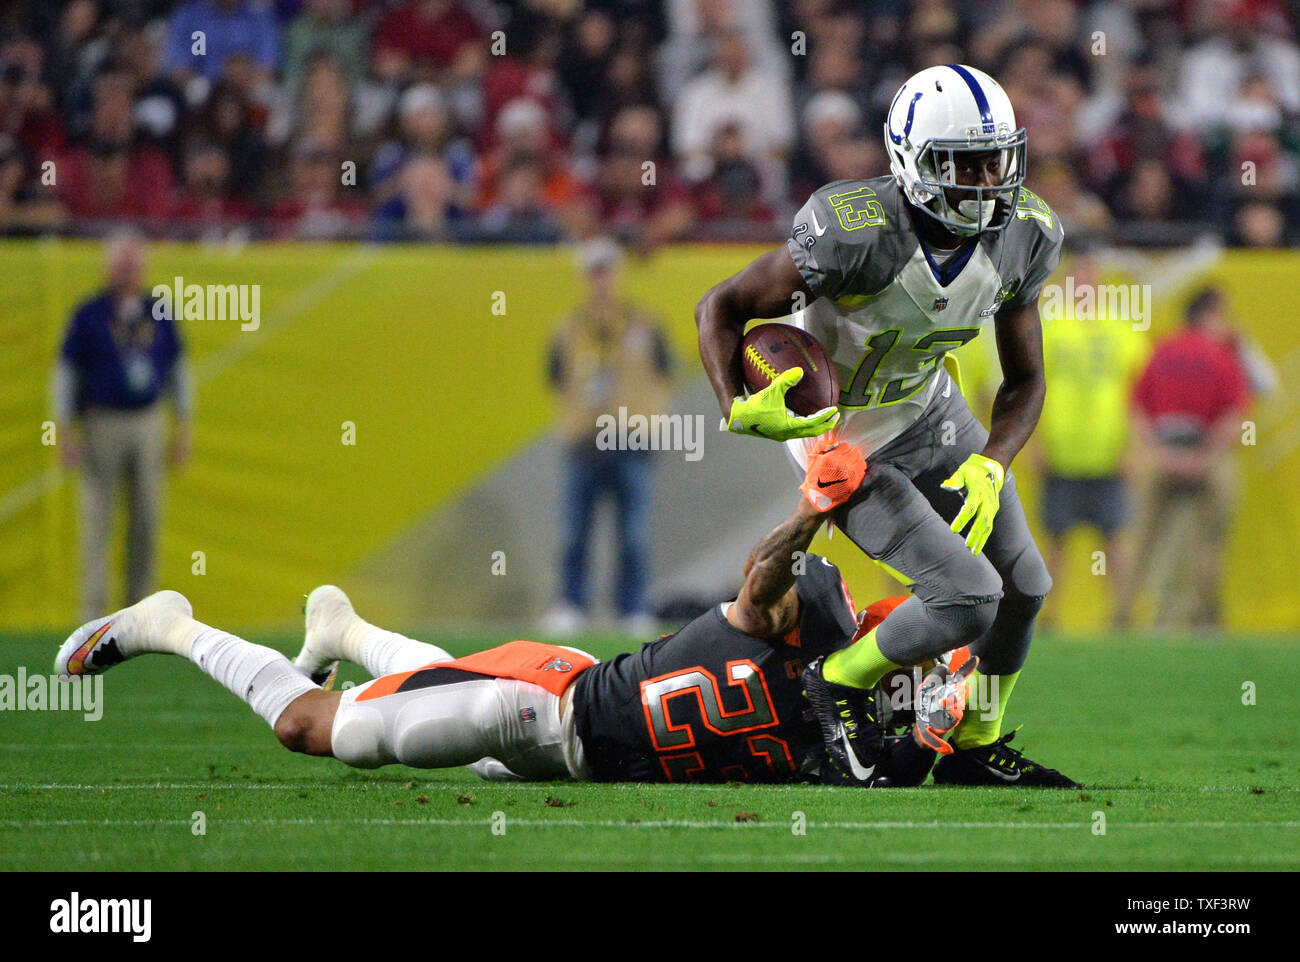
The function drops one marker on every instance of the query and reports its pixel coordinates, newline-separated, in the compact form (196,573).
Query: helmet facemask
(977,208)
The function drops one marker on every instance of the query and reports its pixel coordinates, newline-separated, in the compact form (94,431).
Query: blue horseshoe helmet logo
(907,126)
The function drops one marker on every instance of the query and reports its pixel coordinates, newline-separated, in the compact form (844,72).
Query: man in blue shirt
(117,363)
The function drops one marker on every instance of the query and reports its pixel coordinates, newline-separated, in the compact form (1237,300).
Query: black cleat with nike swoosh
(855,740)
(997,764)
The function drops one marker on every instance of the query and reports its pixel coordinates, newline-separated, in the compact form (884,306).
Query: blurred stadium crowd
(1149,122)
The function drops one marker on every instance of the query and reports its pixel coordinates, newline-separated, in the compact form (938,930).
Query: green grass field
(1186,775)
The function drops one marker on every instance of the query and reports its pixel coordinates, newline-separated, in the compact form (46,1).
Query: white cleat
(328,614)
(104,642)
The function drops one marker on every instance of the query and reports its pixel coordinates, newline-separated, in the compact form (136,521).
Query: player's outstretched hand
(765,415)
(940,703)
(835,472)
(980,480)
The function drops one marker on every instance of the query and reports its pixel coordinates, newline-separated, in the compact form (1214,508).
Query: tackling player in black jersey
(722,699)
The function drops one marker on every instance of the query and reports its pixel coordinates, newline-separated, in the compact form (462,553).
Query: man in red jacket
(1188,405)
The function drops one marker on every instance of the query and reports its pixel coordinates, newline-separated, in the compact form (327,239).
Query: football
(769,349)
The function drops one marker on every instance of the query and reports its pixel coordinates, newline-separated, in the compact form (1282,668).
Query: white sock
(386,652)
(177,637)
(261,676)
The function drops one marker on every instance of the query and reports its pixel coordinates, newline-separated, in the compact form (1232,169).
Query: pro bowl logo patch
(1004,294)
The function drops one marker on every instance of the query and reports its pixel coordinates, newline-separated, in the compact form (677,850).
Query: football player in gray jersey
(890,274)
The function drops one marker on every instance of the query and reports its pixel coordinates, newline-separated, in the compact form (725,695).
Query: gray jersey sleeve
(1036,234)
(840,238)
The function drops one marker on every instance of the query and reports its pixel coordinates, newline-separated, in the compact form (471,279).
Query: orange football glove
(835,472)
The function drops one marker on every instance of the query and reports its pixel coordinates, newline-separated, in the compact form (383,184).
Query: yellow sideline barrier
(403,344)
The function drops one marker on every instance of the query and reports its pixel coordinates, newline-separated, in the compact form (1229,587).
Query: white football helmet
(938,119)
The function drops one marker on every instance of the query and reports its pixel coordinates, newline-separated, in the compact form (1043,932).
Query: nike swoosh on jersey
(855,766)
(817,227)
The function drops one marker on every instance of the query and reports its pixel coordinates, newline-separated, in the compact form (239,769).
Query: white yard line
(617,823)
(549,787)
(156,786)
(577,856)
(130,747)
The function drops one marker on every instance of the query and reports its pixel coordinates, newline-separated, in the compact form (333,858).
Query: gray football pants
(902,516)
